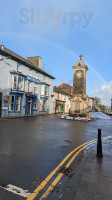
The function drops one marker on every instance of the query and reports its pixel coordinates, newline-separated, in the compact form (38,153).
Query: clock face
(79,74)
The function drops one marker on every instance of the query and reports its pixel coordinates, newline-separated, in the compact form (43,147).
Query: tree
(97,101)
(102,107)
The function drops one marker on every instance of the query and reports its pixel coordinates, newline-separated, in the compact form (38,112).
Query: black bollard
(99,144)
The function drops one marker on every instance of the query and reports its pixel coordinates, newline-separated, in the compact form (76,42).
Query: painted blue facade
(25,91)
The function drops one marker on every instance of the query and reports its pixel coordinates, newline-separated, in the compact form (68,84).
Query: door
(0,104)
(29,106)
(77,107)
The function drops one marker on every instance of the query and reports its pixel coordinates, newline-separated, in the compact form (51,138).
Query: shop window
(20,83)
(41,105)
(11,104)
(18,103)
(35,104)
(29,86)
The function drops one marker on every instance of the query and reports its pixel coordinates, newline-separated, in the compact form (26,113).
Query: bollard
(99,144)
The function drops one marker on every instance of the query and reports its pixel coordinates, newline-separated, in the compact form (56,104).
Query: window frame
(42,94)
(29,82)
(14,104)
(17,82)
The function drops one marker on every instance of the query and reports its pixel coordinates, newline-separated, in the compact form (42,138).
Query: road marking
(44,182)
(16,190)
(51,187)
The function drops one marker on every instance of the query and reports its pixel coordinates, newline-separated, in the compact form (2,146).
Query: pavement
(92,176)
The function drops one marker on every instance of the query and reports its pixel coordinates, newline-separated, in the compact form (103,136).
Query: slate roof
(64,85)
(58,90)
(6,52)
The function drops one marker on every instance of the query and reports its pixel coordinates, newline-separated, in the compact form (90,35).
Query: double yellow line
(48,178)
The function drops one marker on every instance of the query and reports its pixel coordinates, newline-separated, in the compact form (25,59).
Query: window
(20,83)
(29,86)
(15,103)
(11,105)
(35,104)
(44,78)
(35,89)
(18,103)
(18,67)
(14,82)
(42,89)
(41,105)
(46,92)
(30,72)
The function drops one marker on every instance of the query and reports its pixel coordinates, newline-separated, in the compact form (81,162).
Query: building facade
(61,101)
(25,89)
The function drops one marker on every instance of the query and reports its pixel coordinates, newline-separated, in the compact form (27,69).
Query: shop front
(60,106)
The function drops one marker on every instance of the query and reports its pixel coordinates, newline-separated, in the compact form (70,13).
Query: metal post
(99,144)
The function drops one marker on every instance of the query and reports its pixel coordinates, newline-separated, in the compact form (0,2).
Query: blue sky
(59,31)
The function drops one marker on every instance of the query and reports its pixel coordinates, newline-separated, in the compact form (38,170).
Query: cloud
(104,93)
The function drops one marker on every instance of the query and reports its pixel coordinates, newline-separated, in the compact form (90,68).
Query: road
(31,148)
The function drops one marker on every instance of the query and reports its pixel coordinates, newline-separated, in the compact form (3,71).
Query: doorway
(29,106)
(0,104)
(77,107)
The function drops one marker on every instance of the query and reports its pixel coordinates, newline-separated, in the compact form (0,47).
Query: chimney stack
(36,61)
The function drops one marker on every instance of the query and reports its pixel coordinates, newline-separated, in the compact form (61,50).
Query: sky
(59,31)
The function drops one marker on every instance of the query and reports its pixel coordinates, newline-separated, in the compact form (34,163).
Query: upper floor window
(46,92)
(17,82)
(42,90)
(20,83)
(18,67)
(29,86)
(44,78)
(35,89)
(30,72)
(14,82)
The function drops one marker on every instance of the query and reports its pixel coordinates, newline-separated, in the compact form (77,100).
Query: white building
(61,101)
(25,89)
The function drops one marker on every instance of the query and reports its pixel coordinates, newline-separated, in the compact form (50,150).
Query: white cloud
(104,93)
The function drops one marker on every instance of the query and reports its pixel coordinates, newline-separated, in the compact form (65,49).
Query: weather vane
(81,56)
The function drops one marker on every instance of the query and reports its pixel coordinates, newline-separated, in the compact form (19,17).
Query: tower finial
(81,56)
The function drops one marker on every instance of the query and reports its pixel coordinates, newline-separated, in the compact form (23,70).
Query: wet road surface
(30,148)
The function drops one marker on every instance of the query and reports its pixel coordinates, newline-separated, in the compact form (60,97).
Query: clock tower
(80,98)
(79,83)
